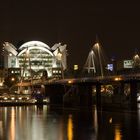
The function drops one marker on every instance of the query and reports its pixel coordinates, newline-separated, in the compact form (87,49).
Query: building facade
(34,58)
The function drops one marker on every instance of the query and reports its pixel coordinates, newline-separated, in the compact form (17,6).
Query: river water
(56,123)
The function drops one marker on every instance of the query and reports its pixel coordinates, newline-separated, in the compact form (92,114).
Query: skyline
(75,24)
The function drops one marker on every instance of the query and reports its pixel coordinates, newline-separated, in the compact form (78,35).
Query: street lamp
(97,46)
(136,59)
(59,58)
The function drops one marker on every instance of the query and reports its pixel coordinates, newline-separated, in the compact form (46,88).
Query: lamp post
(59,58)
(97,46)
(136,59)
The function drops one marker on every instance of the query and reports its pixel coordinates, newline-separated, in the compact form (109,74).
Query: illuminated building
(34,58)
(8,56)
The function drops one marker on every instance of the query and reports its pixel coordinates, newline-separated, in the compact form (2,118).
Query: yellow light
(110,120)
(70,128)
(69,82)
(12,79)
(75,67)
(118,78)
(1,83)
(136,56)
(118,135)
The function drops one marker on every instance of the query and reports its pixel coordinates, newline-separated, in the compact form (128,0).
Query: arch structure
(35,56)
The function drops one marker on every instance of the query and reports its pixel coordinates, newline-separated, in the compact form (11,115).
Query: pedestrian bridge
(104,79)
(81,91)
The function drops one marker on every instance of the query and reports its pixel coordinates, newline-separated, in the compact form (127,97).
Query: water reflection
(12,125)
(47,123)
(118,135)
(70,128)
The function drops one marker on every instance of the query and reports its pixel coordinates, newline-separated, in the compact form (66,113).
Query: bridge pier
(118,93)
(123,94)
(98,95)
(85,93)
(55,93)
(133,94)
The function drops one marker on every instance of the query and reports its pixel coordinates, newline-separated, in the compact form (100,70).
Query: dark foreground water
(51,123)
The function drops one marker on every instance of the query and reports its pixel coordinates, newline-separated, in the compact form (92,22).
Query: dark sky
(75,23)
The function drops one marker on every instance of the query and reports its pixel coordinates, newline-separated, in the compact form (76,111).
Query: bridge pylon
(90,62)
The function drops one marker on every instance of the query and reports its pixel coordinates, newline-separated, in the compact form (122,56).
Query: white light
(5,98)
(13,98)
(138,99)
(19,98)
(136,56)
(12,79)
(97,45)
(1,84)
(59,56)
(10,54)
(38,47)
(34,43)
(46,100)
(70,81)
(42,86)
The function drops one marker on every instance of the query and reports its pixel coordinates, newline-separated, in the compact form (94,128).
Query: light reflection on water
(47,123)
(118,135)
(70,128)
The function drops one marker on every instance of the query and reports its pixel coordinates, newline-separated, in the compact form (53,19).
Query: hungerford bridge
(119,91)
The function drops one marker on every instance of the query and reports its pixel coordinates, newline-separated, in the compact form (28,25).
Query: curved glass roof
(35,44)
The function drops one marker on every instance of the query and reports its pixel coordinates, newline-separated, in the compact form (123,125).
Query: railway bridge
(119,90)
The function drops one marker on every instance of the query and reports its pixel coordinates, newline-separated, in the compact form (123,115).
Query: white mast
(90,64)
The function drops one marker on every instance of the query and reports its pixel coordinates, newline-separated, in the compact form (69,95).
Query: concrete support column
(85,93)
(133,94)
(55,92)
(98,95)
(121,93)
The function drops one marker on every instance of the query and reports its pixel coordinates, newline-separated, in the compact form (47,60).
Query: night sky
(75,23)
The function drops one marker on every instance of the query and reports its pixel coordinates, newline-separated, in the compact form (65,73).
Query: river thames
(56,123)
